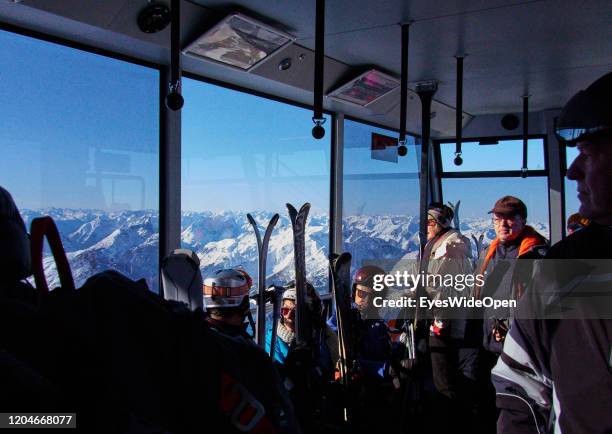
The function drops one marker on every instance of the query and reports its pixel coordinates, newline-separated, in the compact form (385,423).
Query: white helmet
(226,288)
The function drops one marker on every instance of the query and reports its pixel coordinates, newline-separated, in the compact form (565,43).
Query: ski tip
(251,219)
(275,218)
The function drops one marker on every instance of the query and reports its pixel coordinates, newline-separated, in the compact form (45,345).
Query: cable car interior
(160,139)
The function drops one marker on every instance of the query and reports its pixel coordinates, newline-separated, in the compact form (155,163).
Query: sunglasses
(569,136)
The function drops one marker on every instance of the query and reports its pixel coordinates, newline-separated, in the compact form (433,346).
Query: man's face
(592,170)
(508,227)
(288,312)
(362,296)
(433,228)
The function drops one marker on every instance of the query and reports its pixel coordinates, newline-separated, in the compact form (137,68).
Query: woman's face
(288,312)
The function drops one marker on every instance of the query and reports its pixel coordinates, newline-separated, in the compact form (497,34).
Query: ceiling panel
(547,48)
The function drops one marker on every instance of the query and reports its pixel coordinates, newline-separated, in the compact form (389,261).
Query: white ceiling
(546,48)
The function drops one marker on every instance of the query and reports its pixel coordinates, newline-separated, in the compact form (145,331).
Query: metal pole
(525,134)
(174,100)
(426,92)
(404,83)
(318,132)
(459,112)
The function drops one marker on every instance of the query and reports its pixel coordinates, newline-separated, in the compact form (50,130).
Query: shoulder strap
(40,228)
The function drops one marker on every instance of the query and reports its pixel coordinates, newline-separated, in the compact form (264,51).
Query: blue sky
(71,111)
(82,131)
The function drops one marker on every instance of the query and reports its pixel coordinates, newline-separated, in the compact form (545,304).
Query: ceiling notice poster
(384,148)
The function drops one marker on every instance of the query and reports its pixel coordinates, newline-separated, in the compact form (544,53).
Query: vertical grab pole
(402,149)
(426,92)
(525,134)
(459,112)
(174,100)
(318,132)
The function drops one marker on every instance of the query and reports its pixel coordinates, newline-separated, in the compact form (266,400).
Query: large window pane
(381,198)
(79,137)
(505,155)
(241,154)
(478,195)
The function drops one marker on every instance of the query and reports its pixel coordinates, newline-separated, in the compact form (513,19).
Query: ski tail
(341,285)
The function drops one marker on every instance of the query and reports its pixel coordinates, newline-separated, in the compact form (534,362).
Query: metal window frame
(484,173)
(546,172)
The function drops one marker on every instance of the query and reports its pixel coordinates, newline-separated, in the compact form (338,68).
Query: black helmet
(588,112)
(364,276)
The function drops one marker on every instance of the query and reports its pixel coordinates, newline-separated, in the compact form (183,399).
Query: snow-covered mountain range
(128,241)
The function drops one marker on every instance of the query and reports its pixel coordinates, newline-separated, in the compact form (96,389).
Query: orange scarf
(530,239)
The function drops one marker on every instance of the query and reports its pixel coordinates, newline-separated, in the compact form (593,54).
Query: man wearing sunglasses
(505,277)
(554,374)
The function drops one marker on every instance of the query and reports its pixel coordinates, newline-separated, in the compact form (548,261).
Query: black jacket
(555,373)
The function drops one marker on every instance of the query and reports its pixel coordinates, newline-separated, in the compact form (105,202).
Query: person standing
(554,374)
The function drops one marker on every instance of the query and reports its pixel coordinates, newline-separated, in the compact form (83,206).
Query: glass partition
(380,205)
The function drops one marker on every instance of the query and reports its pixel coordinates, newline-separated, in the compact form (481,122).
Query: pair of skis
(303,329)
(262,250)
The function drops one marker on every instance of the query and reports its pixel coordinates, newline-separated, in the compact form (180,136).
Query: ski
(340,266)
(303,331)
(262,250)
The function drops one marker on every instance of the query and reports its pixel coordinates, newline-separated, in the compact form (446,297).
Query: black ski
(262,250)
(303,329)
(340,266)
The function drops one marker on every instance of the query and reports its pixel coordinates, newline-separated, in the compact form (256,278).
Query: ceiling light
(365,89)
(238,41)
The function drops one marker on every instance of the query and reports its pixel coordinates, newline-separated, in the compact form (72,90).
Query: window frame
(497,173)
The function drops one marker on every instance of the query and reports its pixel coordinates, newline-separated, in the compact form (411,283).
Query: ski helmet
(290,294)
(364,277)
(226,288)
